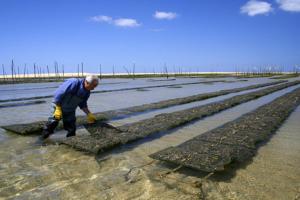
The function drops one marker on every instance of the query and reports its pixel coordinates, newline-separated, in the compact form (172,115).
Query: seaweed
(158,80)
(142,90)
(98,142)
(37,127)
(175,86)
(235,141)
(26,103)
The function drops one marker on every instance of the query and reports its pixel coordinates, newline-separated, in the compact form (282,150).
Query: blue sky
(205,35)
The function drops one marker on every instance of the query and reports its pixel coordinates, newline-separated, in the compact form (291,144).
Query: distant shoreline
(52,77)
(104,74)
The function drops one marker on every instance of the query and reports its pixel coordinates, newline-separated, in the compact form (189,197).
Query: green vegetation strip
(287,76)
(235,141)
(158,80)
(23,89)
(37,127)
(123,89)
(50,87)
(26,103)
(103,137)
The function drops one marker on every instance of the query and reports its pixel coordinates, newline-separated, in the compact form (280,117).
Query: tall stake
(24,71)
(54,70)
(48,72)
(63,71)
(18,72)
(57,70)
(12,70)
(166,70)
(34,70)
(3,72)
(100,72)
(78,70)
(82,69)
(133,70)
(43,74)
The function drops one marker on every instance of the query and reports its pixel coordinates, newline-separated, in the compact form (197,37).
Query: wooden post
(100,72)
(78,71)
(113,71)
(43,73)
(48,72)
(3,72)
(24,72)
(34,70)
(54,70)
(63,71)
(12,70)
(133,71)
(18,73)
(82,69)
(166,70)
(57,71)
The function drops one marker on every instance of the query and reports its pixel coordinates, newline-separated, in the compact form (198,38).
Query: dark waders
(68,105)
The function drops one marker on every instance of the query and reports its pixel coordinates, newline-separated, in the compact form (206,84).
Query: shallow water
(44,89)
(115,100)
(57,171)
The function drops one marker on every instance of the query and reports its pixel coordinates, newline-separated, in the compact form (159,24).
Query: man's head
(91,81)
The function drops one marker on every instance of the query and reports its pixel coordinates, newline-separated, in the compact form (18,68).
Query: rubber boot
(70,134)
(45,134)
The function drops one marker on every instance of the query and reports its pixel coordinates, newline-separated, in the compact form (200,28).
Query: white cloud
(289,5)
(122,22)
(126,22)
(254,7)
(164,15)
(156,29)
(102,18)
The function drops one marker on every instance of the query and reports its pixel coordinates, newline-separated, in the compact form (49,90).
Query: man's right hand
(58,112)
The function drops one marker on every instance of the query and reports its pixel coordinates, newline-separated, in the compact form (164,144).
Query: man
(71,94)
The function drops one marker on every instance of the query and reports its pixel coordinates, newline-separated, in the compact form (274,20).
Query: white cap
(90,78)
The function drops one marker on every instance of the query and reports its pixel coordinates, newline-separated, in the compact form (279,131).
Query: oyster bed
(235,141)
(37,127)
(105,137)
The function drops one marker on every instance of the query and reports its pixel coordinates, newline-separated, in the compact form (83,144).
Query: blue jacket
(72,87)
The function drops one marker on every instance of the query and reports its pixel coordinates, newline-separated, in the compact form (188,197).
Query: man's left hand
(91,118)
